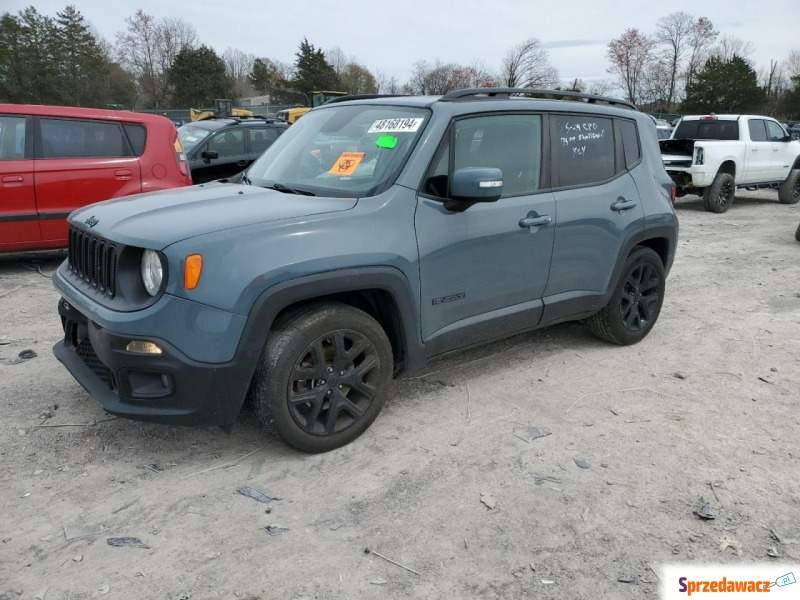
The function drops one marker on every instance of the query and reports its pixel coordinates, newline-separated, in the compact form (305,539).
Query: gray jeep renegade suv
(371,237)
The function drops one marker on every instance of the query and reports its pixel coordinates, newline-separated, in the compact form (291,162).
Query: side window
(584,150)
(511,143)
(136,136)
(261,139)
(758,132)
(775,131)
(228,143)
(630,142)
(67,138)
(12,138)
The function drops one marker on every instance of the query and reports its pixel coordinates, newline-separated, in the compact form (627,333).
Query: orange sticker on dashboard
(347,163)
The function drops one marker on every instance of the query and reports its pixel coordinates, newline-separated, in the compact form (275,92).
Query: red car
(54,159)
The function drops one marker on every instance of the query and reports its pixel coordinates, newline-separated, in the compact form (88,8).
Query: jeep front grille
(94,260)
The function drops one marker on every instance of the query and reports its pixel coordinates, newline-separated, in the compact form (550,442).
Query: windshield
(192,135)
(343,151)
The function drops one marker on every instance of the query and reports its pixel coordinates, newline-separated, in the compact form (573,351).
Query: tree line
(159,63)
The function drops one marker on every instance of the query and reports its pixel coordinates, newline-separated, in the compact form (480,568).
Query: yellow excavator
(221,108)
(290,115)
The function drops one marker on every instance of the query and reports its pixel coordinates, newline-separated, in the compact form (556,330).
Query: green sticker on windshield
(386,141)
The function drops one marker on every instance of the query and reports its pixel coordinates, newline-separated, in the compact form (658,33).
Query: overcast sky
(391,37)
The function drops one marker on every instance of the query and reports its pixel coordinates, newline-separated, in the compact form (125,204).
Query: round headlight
(152,271)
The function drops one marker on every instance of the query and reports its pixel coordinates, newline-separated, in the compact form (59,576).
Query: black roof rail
(237,118)
(361,97)
(482,93)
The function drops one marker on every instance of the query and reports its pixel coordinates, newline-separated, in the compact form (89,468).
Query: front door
(483,271)
(231,157)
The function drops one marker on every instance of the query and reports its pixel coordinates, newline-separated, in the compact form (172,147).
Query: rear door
(79,162)
(19,225)
(598,207)
(758,163)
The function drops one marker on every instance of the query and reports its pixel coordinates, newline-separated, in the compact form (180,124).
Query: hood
(159,219)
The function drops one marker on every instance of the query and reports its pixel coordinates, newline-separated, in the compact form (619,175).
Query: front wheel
(718,197)
(636,302)
(789,191)
(323,376)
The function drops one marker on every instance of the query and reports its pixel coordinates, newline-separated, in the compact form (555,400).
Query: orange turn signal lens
(192,269)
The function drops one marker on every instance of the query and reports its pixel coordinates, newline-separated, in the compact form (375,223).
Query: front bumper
(167,388)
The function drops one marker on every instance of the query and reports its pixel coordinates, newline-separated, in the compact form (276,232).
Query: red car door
(19,226)
(80,162)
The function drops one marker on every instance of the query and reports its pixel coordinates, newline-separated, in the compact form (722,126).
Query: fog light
(143,347)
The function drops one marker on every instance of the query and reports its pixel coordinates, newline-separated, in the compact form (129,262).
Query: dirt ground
(711,396)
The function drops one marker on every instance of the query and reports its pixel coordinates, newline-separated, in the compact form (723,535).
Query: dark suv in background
(220,147)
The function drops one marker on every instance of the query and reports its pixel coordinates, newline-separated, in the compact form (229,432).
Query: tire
(797,233)
(323,376)
(789,191)
(636,302)
(718,197)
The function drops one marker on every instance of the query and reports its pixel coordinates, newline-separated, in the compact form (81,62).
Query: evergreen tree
(83,68)
(313,72)
(724,86)
(197,77)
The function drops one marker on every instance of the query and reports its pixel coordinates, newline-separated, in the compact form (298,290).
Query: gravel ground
(447,481)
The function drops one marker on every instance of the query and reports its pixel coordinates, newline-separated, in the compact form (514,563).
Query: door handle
(241,163)
(123,173)
(535,221)
(622,204)
(12,179)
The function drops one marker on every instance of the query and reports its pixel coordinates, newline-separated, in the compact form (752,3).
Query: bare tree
(792,64)
(147,49)
(629,55)
(700,41)
(674,32)
(600,88)
(528,65)
(337,59)
(439,78)
(238,66)
(387,84)
(655,82)
(729,46)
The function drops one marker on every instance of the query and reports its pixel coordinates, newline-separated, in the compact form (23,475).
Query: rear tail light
(672,193)
(180,156)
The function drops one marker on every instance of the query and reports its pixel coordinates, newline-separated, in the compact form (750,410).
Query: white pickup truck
(713,155)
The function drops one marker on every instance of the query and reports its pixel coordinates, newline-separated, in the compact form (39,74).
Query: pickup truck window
(707,130)
(758,132)
(775,132)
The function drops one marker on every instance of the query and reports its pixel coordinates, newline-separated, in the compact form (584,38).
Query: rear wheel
(718,197)
(323,376)
(636,302)
(789,191)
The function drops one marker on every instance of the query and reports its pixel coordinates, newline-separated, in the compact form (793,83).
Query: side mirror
(208,155)
(471,185)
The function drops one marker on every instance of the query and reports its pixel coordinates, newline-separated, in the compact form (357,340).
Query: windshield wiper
(246,179)
(287,190)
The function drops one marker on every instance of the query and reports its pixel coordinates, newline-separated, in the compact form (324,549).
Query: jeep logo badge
(91,221)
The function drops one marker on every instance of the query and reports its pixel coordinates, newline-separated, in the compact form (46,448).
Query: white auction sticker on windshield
(396,125)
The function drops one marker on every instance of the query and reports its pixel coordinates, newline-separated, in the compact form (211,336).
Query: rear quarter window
(137,135)
(630,142)
(584,150)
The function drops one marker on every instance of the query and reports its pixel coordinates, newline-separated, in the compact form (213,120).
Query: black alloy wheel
(640,301)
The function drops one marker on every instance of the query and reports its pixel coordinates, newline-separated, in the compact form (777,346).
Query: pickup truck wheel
(636,302)
(797,233)
(718,197)
(789,191)
(323,376)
